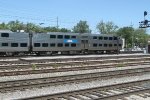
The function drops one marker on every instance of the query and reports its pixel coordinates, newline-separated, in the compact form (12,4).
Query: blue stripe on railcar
(70,41)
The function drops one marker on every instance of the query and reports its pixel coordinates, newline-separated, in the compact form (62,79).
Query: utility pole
(132,36)
(57,23)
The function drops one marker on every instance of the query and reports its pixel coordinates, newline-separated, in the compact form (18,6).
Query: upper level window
(4,34)
(94,37)
(100,38)
(73,37)
(53,36)
(23,44)
(110,38)
(14,44)
(115,38)
(60,36)
(105,38)
(67,37)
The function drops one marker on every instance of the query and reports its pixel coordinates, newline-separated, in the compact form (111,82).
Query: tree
(64,30)
(3,26)
(51,29)
(106,28)
(140,37)
(126,33)
(81,27)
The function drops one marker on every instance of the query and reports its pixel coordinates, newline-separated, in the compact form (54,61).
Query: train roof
(85,34)
(5,31)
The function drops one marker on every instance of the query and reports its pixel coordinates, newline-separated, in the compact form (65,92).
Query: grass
(33,66)
(120,65)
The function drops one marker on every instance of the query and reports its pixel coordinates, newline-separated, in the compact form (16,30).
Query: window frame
(4,45)
(4,34)
(37,44)
(14,45)
(23,44)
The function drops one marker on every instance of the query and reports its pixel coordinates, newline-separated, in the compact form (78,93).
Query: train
(21,43)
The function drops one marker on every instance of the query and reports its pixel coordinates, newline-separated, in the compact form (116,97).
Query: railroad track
(56,59)
(46,68)
(19,64)
(110,92)
(10,86)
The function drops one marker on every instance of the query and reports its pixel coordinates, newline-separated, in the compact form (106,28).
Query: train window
(73,45)
(120,45)
(105,38)
(67,45)
(94,45)
(100,38)
(37,44)
(60,36)
(4,34)
(115,45)
(105,45)
(14,44)
(73,37)
(59,44)
(67,37)
(110,38)
(100,45)
(115,38)
(94,37)
(23,44)
(4,44)
(53,36)
(52,44)
(44,44)
(110,45)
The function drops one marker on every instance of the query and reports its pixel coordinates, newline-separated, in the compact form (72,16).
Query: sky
(69,12)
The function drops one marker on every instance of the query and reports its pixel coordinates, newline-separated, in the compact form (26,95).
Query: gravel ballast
(64,88)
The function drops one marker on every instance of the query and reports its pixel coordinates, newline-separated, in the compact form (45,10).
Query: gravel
(78,56)
(73,86)
(32,76)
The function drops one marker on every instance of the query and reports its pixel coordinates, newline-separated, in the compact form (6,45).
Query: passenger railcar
(54,42)
(13,43)
(104,43)
(75,43)
(57,42)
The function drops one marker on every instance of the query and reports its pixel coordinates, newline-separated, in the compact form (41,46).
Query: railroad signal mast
(145,23)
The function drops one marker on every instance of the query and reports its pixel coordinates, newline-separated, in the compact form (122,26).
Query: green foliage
(30,27)
(126,33)
(133,37)
(106,28)
(81,27)
(140,37)
(33,66)
(120,65)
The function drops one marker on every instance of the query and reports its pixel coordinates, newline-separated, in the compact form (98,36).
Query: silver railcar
(100,43)
(55,42)
(13,42)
